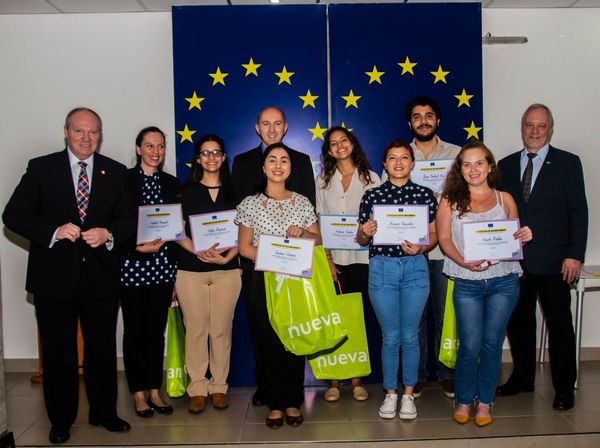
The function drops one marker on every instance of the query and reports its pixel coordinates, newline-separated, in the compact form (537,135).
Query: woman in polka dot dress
(276,211)
(147,277)
(208,282)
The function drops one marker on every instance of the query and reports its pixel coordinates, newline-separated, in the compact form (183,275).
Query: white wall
(121,65)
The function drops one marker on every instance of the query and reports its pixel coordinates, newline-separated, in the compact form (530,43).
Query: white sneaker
(408,410)
(388,407)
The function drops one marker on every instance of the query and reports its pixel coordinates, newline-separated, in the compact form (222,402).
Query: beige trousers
(208,300)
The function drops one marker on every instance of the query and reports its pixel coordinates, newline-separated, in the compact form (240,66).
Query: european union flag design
(490,225)
(395,52)
(230,62)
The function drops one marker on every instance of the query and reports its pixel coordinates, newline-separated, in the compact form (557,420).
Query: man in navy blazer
(555,208)
(73,268)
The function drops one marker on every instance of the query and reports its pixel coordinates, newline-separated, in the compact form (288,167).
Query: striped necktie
(83,192)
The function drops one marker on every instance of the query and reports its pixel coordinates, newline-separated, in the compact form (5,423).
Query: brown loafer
(219,400)
(196,404)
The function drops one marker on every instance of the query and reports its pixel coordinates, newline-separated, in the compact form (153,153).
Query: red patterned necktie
(83,192)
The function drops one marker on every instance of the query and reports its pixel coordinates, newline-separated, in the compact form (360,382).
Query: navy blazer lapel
(100,177)
(64,184)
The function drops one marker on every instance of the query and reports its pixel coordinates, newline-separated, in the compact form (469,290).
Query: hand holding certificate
(214,228)
(292,256)
(399,223)
(491,241)
(159,222)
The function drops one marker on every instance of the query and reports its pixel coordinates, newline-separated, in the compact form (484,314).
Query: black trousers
(282,371)
(144,320)
(57,323)
(555,300)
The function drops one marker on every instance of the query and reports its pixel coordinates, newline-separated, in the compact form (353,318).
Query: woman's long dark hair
(140,138)
(456,189)
(358,157)
(197,172)
(268,150)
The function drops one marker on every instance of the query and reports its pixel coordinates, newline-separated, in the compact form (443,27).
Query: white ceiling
(115,6)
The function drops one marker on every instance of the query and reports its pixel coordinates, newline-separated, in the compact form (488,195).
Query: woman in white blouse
(275,211)
(344,177)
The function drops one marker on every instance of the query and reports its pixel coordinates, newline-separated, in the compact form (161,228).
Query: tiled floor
(525,420)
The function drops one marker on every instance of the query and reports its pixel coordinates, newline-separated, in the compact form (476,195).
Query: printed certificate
(339,232)
(211,228)
(491,240)
(161,221)
(431,173)
(292,256)
(399,223)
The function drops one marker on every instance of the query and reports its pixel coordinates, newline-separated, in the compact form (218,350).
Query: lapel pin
(102,172)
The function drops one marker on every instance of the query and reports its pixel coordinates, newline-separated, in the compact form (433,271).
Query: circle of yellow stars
(284,76)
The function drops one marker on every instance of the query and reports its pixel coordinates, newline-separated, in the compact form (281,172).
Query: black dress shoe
(274,423)
(144,413)
(114,424)
(167,410)
(294,420)
(508,389)
(563,401)
(257,399)
(59,434)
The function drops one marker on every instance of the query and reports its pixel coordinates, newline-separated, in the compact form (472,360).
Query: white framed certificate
(431,173)
(399,223)
(491,240)
(338,232)
(161,221)
(291,256)
(211,228)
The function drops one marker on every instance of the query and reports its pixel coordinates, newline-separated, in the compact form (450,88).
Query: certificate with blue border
(491,240)
(291,256)
(160,222)
(399,223)
(338,232)
(211,228)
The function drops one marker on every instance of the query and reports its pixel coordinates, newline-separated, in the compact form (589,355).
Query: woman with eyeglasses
(147,277)
(345,176)
(208,282)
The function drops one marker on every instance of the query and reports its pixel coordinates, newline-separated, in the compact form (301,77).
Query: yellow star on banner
(440,75)
(309,99)
(472,131)
(351,99)
(251,68)
(218,77)
(317,132)
(374,75)
(463,98)
(344,126)
(195,101)
(285,76)
(407,66)
(186,134)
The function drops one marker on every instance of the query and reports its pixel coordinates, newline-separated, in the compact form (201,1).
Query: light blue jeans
(482,308)
(398,289)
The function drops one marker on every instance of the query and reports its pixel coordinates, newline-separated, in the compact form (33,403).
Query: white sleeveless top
(451,269)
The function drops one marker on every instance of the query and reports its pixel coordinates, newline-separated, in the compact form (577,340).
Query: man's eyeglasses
(215,153)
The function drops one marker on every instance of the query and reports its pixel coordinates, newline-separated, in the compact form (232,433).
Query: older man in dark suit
(75,208)
(547,184)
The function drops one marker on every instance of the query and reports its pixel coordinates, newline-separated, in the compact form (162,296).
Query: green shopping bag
(177,377)
(449,338)
(350,358)
(302,311)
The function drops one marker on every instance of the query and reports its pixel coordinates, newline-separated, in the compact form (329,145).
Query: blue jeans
(398,289)
(437,300)
(482,308)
